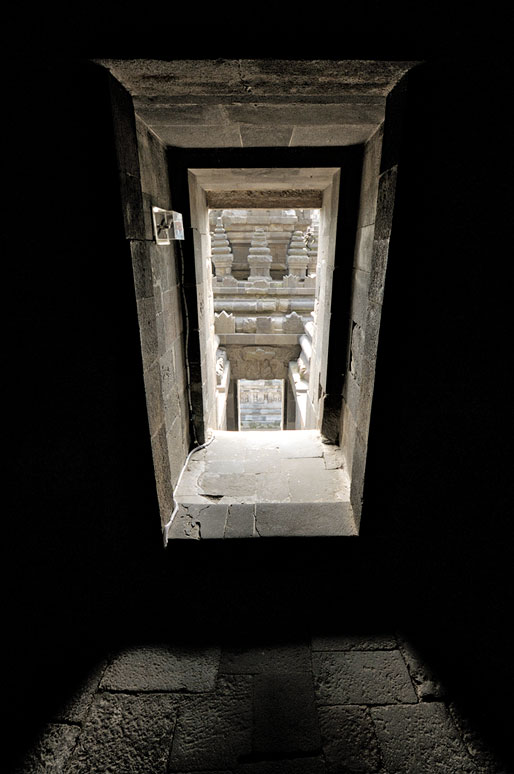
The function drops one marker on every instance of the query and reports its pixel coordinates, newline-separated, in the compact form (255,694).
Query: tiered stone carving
(259,257)
(221,254)
(297,255)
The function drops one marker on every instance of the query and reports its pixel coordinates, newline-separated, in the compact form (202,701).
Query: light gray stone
(211,520)
(285,718)
(240,521)
(420,739)
(348,739)
(162,668)
(296,519)
(360,677)
(126,734)
(214,730)
(52,751)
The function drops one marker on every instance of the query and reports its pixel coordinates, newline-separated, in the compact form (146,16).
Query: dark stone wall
(83,530)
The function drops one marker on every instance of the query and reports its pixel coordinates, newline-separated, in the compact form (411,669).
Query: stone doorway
(264,286)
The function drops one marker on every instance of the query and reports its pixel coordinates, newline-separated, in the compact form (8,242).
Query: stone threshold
(268,483)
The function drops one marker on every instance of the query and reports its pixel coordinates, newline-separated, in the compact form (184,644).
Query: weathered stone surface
(280,659)
(214,730)
(285,718)
(162,668)
(358,677)
(289,519)
(420,739)
(231,484)
(126,734)
(240,521)
(211,520)
(265,136)
(142,269)
(370,175)
(378,270)
(385,204)
(349,741)
(51,752)
(355,642)
(345,134)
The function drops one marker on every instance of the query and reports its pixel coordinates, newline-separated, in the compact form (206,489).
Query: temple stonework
(264,289)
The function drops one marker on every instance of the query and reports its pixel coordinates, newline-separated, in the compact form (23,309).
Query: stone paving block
(75,708)
(184,526)
(422,739)
(240,521)
(426,684)
(288,519)
(162,668)
(285,719)
(211,519)
(214,730)
(281,659)
(126,734)
(355,642)
(348,739)
(362,677)
(51,752)
(230,484)
(272,487)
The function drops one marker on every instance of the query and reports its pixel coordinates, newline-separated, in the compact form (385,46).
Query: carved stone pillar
(221,254)
(259,257)
(297,256)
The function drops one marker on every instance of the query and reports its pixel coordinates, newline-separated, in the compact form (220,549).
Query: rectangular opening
(261,404)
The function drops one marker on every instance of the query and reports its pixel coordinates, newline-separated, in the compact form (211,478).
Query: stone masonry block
(370,175)
(422,739)
(153,391)
(349,741)
(162,668)
(385,204)
(241,521)
(132,202)
(360,289)
(364,247)
(214,730)
(126,734)
(378,270)
(211,520)
(142,269)
(147,330)
(285,718)
(362,677)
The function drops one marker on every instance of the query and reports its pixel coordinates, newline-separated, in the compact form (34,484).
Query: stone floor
(354,703)
(264,484)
